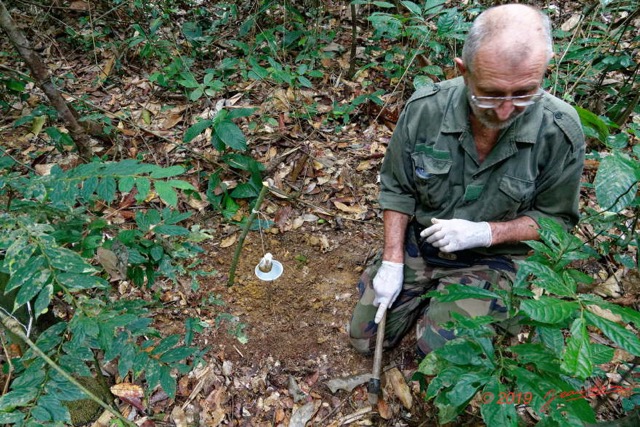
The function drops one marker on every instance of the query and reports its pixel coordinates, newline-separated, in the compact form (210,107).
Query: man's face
(492,77)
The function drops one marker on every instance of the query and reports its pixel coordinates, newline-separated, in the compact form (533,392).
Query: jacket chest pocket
(514,195)
(431,176)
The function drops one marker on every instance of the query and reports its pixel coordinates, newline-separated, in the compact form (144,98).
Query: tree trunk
(41,75)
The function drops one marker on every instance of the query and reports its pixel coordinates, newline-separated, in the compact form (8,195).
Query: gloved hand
(387,285)
(452,235)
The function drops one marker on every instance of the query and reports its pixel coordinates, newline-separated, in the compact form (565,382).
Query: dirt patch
(296,328)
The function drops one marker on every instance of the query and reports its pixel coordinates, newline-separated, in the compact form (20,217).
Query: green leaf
(126,184)
(466,387)
(629,315)
(461,352)
(594,122)
(548,309)
(77,282)
(616,183)
(601,354)
(31,288)
(196,129)
(494,413)
(107,189)
(577,357)
(89,187)
(546,278)
(552,338)
(171,230)
(166,193)
(455,292)
(17,398)
(231,135)
(413,8)
(41,304)
(169,172)
(67,260)
(144,187)
(176,354)
(625,339)
(55,408)
(29,272)
(244,191)
(167,382)
(18,254)
(183,185)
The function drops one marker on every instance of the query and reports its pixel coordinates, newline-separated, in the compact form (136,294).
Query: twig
(245,231)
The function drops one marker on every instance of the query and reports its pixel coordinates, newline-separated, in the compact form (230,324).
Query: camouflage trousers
(428,315)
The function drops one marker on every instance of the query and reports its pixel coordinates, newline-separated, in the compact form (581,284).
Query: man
(473,163)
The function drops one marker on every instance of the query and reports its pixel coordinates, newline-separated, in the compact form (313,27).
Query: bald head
(512,33)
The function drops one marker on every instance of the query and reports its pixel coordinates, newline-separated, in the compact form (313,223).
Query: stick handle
(377,357)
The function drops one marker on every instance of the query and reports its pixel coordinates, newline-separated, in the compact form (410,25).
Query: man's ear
(462,69)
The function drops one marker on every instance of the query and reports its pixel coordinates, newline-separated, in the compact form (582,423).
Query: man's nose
(505,109)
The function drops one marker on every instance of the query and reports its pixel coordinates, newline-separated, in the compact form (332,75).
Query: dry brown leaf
(44,170)
(228,241)
(363,166)
(384,410)
(350,209)
(106,70)
(179,417)
(172,120)
(604,313)
(400,387)
(127,390)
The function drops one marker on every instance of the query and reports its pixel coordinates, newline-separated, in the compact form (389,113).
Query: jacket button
(557,115)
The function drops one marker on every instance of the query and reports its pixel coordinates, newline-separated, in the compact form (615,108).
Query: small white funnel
(268,268)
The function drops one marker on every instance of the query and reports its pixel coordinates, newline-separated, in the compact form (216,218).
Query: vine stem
(245,231)
(13,326)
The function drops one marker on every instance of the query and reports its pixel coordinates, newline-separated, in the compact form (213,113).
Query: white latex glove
(387,285)
(451,235)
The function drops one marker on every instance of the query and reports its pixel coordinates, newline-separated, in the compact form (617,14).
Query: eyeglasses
(496,101)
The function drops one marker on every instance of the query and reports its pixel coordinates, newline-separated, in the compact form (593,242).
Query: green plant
(549,370)
(51,230)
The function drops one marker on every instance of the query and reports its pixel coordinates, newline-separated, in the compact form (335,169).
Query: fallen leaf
(384,410)
(302,415)
(604,313)
(350,209)
(347,383)
(127,390)
(228,241)
(400,387)
(179,417)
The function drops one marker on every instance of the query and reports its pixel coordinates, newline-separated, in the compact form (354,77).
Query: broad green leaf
(629,315)
(616,183)
(52,337)
(67,260)
(552,338)
(431,365)
(107,189)
(601,354)
(18,254)
(27,273)
(144,186)
(196,129)
(624,338)
(166,193)
(55,408)
(176,354)
(244,191)
(41,304)
(413,8)
(171,230)
(166,344)
(89,187)
(167,382)
(546,278)
(178,183)
(461,352)
(447,377)
(231,135)
(548,309)
(236,113)
(71,363)
(126,184)
(494,413)
(16,399)
(77,282)
(466,387)
(169,172)
(455,292)
(31,288)
(577,356)
(591,120)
